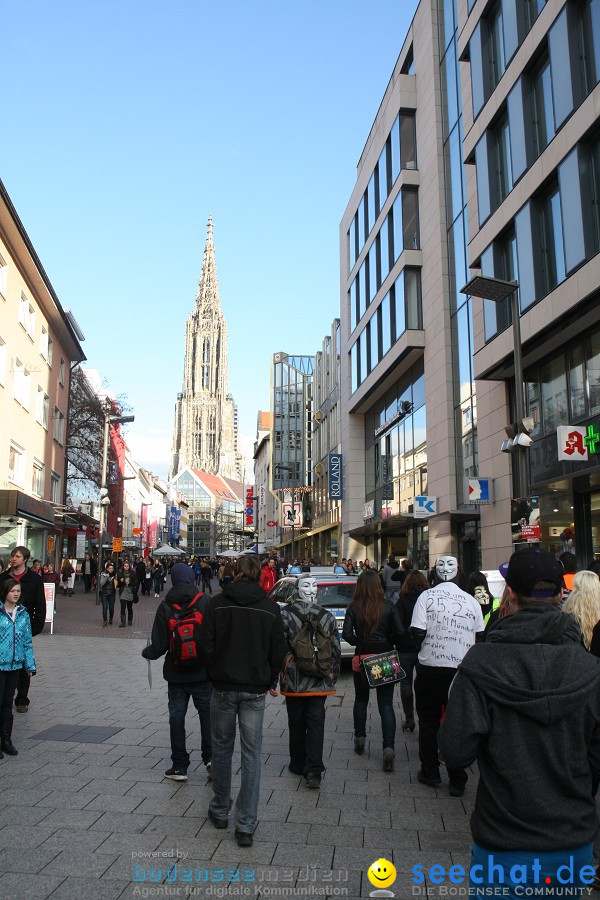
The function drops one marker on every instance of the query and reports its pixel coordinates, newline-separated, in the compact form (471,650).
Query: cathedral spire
(207,297)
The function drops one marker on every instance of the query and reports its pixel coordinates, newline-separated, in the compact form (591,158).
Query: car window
(279,591)
(335,595)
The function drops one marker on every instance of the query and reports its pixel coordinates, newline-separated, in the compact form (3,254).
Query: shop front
(26,521)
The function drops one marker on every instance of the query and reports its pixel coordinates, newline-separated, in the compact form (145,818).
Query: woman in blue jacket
(16,653)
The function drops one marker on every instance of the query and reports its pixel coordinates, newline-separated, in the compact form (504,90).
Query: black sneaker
(313,781)
(218,823)
(176,774)
(431,781)
(456,790)
(244,838)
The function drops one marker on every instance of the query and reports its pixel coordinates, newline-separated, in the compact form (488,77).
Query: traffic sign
(271,523)
(117,545)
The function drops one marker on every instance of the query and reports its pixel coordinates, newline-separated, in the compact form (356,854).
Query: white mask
(307,589)
(446,568)
(481,595)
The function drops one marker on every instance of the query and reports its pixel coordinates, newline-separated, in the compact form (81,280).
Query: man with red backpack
(177,631)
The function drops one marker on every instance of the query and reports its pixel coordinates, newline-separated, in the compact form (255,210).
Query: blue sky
(126,123)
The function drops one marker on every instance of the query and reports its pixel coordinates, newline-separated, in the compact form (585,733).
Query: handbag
(383,668)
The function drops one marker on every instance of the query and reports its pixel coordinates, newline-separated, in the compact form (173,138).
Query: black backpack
(312,647)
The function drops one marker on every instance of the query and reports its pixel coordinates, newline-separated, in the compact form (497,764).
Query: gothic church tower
(205,433)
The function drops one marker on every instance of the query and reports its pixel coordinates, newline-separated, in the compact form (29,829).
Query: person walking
(391,588)
(583,604)
(372,625)
(412,587)
(446,622)
(526,705)
(305,692)
(183,681)
(34,601)
(140,574)
(157,578)
(108,593)
(268,576)
(127,587)
(207,573)
(245,647)
(66,574)
(88,570)
(16,655)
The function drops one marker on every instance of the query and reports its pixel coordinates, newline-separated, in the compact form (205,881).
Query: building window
(16,464)
(373,279)
(555,410)
(595,192)
(370,205)
(55,490)
(383,239)
(27,316)
(410,219)
(42,408)
(552,256)
(21,385)
(382,179)
(37,481)
(589,44)
(3,356)
(497,61)
(61,372)
(3,278)
(408,141)
(45,342)
(58,432)
(501,162)
(542,109)
(395,150)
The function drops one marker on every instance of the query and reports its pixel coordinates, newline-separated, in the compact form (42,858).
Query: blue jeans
(549,862)
(226,707)
(108,606)
(385,704)
(179,695)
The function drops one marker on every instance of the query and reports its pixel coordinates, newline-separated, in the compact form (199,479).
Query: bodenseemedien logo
(381,874)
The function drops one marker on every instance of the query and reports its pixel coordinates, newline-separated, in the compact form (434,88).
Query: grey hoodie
(526,705)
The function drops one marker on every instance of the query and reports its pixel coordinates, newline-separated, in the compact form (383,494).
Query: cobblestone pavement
(82,811)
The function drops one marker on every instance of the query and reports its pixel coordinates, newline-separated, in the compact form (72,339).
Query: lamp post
(497,290)
(109,419)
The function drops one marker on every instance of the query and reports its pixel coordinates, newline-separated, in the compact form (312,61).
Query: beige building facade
(409,414)
(39,342)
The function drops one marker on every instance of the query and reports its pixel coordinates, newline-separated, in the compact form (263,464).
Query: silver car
(334,592)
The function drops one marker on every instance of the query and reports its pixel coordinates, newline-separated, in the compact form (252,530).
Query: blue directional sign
(424,507)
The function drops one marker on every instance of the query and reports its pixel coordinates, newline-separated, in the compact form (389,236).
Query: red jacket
(268,577)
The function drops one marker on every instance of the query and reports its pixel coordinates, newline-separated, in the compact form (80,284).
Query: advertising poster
(525,520)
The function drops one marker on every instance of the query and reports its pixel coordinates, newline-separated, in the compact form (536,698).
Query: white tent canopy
(230,553)
(166,550)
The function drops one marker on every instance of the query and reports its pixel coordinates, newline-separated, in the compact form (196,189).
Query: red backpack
(185,627)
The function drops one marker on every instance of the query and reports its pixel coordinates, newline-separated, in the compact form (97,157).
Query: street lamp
(109,419)
(498,290)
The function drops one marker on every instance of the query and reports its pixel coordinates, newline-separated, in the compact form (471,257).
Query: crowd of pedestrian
(511,683)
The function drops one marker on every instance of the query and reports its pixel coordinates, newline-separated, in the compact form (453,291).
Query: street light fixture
(498,290)
(109,419)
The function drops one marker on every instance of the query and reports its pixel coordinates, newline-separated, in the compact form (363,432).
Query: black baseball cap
(527,567)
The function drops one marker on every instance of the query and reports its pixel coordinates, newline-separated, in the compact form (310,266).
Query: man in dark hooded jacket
(526,706)
(183,683)
(245,648)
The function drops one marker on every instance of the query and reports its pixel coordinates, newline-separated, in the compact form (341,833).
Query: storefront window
(593,373)
(577,383)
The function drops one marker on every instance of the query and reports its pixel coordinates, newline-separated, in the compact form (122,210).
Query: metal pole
(522,479)
(103,488)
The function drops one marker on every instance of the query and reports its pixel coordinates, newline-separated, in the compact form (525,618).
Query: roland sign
(336,491)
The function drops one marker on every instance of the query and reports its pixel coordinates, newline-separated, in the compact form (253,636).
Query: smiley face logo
(381,873)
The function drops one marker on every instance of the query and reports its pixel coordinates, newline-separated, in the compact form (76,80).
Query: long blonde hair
(584,604)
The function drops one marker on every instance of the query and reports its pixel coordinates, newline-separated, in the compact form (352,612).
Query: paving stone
(229,853)
(354,858)
(66,839)
(115,803)
(299,854)
(289,833)
(144,843)
(16,815)
(75,818)
(115,821)
(314,815)
(24,836)
(435,840)
(174,825)
(76,888)
(15,887)
(80,863)
(339,835)
(68,799)
(11,861)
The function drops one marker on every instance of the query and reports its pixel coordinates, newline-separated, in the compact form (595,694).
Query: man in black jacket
(245,648)
(183,683)
(526,705)
(34,601)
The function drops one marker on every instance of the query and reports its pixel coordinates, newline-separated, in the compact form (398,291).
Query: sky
(126,123)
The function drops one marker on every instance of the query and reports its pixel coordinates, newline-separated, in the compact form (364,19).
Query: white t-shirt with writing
(451,618)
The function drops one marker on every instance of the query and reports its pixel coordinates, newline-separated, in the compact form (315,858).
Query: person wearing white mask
(446,622)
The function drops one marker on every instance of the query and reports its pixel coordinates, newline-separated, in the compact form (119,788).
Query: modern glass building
(407,382)
(532,139)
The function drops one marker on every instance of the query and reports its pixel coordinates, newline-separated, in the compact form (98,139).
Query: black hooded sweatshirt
(182,595)
(526,705)
(245,644)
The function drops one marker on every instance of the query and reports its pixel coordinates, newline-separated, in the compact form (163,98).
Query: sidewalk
(84,804)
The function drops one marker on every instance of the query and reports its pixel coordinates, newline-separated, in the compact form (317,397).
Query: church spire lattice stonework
(205,434)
